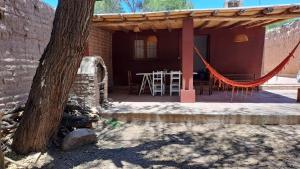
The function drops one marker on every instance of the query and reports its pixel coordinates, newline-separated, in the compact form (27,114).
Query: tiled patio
(263,107)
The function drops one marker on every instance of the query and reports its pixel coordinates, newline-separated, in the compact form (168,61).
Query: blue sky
(200,4)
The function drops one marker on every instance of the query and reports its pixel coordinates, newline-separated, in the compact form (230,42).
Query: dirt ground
(180,145)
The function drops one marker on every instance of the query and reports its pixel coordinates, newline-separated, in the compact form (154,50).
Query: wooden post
(298,97)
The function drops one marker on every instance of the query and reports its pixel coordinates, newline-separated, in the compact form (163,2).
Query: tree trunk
(54,76)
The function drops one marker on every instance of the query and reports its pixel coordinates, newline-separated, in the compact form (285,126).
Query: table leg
(142,85)
(149,83)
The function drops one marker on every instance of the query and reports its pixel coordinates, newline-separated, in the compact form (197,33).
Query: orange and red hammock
(222,80)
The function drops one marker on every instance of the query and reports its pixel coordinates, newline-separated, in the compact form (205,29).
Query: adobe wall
(25,29)
(278,43)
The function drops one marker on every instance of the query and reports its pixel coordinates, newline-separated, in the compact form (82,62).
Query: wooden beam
(153,28)
(124,29)
(261,23)
(238,24)
(279,20)
(268,10)
(221,24)
(136,29)
(192,14)
(122,17)
(203,25)
(169,26)
(240,12)
(257,23)
(215,13)
(167,15)
(294,9)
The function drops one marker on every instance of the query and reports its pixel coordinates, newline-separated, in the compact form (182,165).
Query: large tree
(165,5)
(108,6)
(134,5)
(54,76)
(157,5)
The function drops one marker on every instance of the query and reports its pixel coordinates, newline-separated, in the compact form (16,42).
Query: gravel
(180,145)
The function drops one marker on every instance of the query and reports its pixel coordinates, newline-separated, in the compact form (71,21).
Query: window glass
(139,49)
(151,49)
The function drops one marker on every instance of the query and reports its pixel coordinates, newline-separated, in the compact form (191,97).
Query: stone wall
(25,29)
(278,43)
(100,44)
(90,78)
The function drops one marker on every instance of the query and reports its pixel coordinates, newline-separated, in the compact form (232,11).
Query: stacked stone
(25,28)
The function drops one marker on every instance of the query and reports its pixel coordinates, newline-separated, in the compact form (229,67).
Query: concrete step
(280,86)
(207,118)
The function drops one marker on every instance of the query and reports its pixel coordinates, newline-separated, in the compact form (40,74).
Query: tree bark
(54,76)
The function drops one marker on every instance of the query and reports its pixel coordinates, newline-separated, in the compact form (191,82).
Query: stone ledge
(207,118)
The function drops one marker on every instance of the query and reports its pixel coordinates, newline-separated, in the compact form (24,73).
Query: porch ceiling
(203,19)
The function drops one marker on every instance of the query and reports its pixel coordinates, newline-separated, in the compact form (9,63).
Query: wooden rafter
(153,28)
(260,23)
(238,24)
(268,10)
(294,9)
(203,25)
(215,13)
(240,12)
(220,25)
(265,24)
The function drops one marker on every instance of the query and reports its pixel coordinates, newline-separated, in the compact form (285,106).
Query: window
(139,49)
(151,49)
(145,49)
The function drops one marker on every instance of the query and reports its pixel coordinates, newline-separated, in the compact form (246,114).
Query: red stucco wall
(225,55)
(167,54)
(230,57)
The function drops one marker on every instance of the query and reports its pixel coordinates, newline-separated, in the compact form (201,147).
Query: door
(201,42)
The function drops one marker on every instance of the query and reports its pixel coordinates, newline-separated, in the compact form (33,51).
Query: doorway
(201,42)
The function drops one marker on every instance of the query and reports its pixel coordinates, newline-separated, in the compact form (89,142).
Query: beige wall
(100,44)
(25,31)
(278,44)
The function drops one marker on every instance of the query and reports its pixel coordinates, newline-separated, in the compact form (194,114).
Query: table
(147,79)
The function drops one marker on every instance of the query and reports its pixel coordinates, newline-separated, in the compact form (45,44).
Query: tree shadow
(262,96)
(207,149)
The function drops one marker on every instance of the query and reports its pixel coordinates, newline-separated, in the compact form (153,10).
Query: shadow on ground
(157,145)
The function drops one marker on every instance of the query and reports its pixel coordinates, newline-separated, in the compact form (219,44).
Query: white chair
(157,83)
(175,81)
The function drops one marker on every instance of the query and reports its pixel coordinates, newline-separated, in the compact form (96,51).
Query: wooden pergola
(203,19)
(188,21)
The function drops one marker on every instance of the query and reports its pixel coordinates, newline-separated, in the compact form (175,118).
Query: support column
(187,93)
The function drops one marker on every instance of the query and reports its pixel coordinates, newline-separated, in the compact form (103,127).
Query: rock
(78,138)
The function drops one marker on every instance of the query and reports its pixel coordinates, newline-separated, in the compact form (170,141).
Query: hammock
(257,82)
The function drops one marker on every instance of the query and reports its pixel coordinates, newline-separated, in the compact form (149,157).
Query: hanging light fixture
(152,39)
(239,38)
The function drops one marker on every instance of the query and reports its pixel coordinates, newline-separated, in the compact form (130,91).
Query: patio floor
(263,107)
